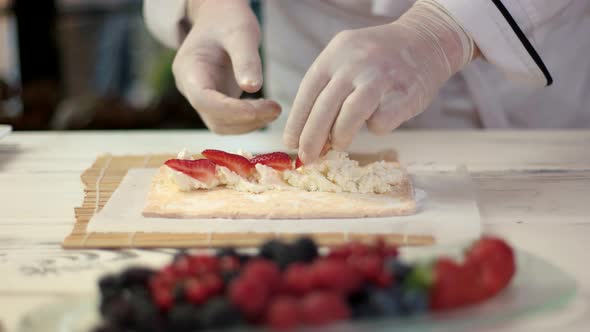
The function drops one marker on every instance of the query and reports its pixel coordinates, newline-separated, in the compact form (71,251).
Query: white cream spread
(334,172)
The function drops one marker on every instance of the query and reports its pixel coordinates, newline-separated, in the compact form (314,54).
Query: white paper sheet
(448,212)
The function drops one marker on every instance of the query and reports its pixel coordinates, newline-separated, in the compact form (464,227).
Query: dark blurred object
(40,72)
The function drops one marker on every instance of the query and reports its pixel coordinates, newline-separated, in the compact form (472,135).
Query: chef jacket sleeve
(165,19)
(504,31)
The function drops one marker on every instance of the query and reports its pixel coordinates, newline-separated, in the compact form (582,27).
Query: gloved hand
(217,61)
(381,75)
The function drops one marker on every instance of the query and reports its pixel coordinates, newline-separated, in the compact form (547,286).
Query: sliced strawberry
(236,163)
(202,169)
(495,260)
(298,163)
(277,160)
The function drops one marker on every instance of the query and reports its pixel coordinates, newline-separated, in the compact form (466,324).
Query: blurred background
(86,64)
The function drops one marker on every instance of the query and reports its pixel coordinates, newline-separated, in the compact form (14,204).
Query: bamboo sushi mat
(103,178)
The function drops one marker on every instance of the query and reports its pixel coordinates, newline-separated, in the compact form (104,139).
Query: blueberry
(386,303)
(414,301)
(137,275)
(305,249)
(399,269)
(218,312)
(183,318)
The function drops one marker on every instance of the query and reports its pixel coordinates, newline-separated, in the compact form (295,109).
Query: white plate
(5,130)
(537,288)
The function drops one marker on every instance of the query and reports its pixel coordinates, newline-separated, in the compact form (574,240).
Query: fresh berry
(229,263)
(305,249)
(414,301)
(163,298)
(323,307)
(202,169)
(386,302)
(283,313)
(213,283)
(184,318)
(218,313)
(236,163)
(281,253)
(277,160)
(335,275)
(298,163)
(196,291)
(448,290)
(110,285)
(136,276)
(249,295)
(183,267)
(263,271)
(399,269)
(495,260)
(203,264)
(370,266)
(298,279)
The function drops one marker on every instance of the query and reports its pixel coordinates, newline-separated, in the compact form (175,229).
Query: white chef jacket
(536,71)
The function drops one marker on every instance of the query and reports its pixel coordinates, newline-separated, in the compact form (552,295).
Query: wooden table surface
(533,187)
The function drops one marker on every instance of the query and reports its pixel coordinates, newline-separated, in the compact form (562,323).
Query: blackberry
(146,314)
(279,252)
(136,276)
(218,312)
(227,251)
(118,311)
(109,286)
(305,250)
(399,269)
(360,304)
(184,318)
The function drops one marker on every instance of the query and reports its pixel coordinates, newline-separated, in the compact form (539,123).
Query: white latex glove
(381,75)
(217,61)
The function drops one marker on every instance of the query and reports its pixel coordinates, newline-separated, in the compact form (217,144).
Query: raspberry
(298,279)
(229,263)
(204,264)
(336,275)
(196,291)
(323,307)
(249,295)
(341,252)
(163,298)
(213,283)
(263,271)
(283,313)
(370,266)
(182,267)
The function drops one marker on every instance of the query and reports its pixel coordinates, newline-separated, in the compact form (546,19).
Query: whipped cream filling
(334,172)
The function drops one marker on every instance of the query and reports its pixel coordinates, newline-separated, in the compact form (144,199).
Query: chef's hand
(381,75)
(217,61)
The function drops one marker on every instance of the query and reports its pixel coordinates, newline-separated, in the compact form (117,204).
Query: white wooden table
(534,189)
